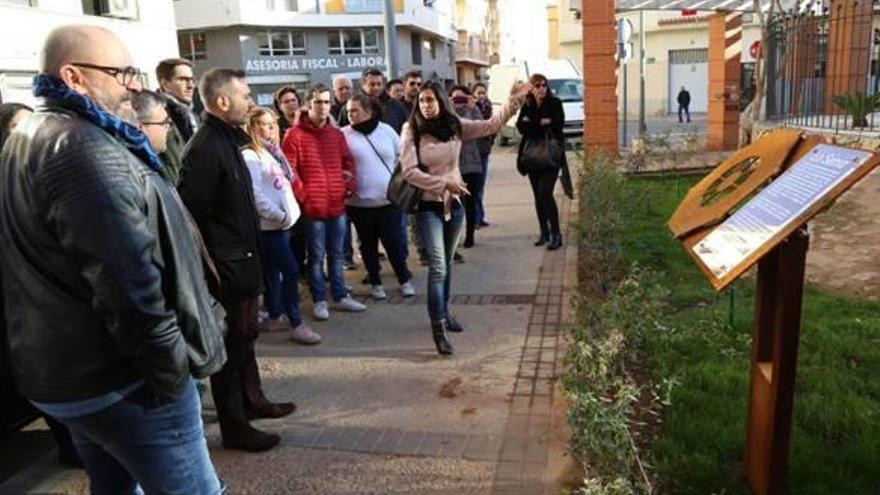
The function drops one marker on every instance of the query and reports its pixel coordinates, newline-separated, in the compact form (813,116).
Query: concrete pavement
(381,412)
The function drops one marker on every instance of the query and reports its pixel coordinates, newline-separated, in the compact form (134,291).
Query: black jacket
(394,112)
(684,98)
(102,275)
(337,110)
(550,108)
(216,187)
(180,115)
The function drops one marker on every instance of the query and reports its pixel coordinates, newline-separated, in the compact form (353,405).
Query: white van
(565,82)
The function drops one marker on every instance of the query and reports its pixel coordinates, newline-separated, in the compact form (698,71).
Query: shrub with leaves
(858,105)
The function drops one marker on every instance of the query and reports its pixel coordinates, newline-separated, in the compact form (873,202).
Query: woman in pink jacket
(429,150)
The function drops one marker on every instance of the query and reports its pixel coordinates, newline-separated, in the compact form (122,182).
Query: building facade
(676,55)
(302,42)
(472,47)
(145,26)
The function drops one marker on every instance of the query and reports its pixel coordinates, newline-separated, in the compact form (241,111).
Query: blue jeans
(441,238)
(478,195)
(325,239)
(282,276)
(136,444)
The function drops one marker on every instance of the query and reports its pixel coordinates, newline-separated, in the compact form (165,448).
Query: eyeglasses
(540,85)
(165,123)
(123,75)
(413,83)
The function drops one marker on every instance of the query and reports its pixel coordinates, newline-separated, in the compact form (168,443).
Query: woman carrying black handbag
(542,156)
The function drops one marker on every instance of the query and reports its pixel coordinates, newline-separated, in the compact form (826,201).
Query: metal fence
(822,67)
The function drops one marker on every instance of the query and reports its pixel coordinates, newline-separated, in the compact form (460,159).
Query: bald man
(112,317)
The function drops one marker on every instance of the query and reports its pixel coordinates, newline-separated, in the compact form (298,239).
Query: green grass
(835,443)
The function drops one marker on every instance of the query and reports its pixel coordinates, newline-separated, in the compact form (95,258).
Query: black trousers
(375,224)
(237,387)
(298,243)
(475,186)
(543,184)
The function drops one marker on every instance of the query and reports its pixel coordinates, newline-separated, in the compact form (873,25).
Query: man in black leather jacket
(109,317)
(216,187)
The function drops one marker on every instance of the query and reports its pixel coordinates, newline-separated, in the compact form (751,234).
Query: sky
(524,29)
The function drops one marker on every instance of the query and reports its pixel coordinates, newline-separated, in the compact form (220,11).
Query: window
(432,46)
(19,3)
(416,46)
(353,41)
(281,43)
(363,6)
(289,5)
(193,46)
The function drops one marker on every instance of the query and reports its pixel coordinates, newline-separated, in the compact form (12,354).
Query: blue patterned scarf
(51,87)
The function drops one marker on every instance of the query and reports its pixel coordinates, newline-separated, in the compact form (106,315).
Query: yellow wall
(338,6)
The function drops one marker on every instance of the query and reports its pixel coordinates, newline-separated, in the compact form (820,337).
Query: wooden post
(774,361)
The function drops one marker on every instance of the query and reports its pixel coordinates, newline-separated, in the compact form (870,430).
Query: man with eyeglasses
(152,118)
(412,83)
(319,154)
(109,317)
(176,83)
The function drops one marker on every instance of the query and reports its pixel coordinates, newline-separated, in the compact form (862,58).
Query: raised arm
(471,129)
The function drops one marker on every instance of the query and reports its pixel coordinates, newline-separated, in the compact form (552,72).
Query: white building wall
(150,38)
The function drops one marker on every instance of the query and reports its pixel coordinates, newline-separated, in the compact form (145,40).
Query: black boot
(542,240)
(441,339)
(247,438)
(555,242)
(452,325)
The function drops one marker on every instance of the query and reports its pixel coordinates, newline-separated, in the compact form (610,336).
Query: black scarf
(440,128)
(366,127)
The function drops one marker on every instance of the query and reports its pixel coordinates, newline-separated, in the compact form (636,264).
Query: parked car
(565,82)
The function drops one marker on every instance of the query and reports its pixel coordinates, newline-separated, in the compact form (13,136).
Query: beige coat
(441,158)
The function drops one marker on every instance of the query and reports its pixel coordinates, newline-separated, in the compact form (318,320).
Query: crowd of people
(140,240)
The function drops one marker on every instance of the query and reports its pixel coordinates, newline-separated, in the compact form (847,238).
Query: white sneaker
(407,289)
(320,311)
(304,335)
(348,304)
(378,292)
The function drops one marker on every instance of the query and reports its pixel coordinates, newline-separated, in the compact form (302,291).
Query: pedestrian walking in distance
(469,161)
(542,156)
(319,157)
(278,210)
(429,152)
(109,317)
(374,146)
(684,103)
(218,191)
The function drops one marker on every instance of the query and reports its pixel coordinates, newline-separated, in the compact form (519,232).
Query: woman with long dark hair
(429,157)
(540,120)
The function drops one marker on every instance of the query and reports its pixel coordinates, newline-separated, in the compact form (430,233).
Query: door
(689,68)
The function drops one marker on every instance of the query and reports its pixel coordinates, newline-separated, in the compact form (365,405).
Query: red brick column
(849,49)
(600,76)
(725,49)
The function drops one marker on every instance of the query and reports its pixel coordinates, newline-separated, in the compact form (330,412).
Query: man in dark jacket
(684,102)
(176,83)
(109,318)
(341,95)
(394,111)
(216,187)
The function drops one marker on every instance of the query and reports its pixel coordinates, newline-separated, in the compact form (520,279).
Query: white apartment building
(303,42)
(145,26)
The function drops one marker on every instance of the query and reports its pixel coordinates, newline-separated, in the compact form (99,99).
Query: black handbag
(405,196)
(539,155)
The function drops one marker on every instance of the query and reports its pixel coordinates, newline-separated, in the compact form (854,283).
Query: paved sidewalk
(381,413)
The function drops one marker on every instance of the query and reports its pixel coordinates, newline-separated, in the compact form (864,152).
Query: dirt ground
(844,255)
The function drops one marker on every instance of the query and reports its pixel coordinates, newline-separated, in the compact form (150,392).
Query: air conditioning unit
(121,9)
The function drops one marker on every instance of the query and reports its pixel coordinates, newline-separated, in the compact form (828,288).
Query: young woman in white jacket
(374,146)
(278,210)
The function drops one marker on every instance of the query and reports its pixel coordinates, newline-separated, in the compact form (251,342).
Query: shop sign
(311,64)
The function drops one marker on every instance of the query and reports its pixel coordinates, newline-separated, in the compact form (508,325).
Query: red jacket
(324,167)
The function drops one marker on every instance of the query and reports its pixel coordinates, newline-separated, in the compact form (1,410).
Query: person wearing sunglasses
(412,82)
(113,320)
(540,124)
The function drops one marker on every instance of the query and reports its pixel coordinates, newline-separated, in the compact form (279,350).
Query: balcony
(473,51)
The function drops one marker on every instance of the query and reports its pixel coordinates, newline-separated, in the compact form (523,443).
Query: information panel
(778,210)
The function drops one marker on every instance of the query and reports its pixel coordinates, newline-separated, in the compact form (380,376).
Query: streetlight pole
(642,127)
(390,40)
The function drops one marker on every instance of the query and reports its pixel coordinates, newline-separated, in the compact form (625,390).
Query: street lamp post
(390,40)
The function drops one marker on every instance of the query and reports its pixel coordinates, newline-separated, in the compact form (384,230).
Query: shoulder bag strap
(378,154)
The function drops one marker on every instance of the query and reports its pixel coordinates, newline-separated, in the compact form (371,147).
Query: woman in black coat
(541,117)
